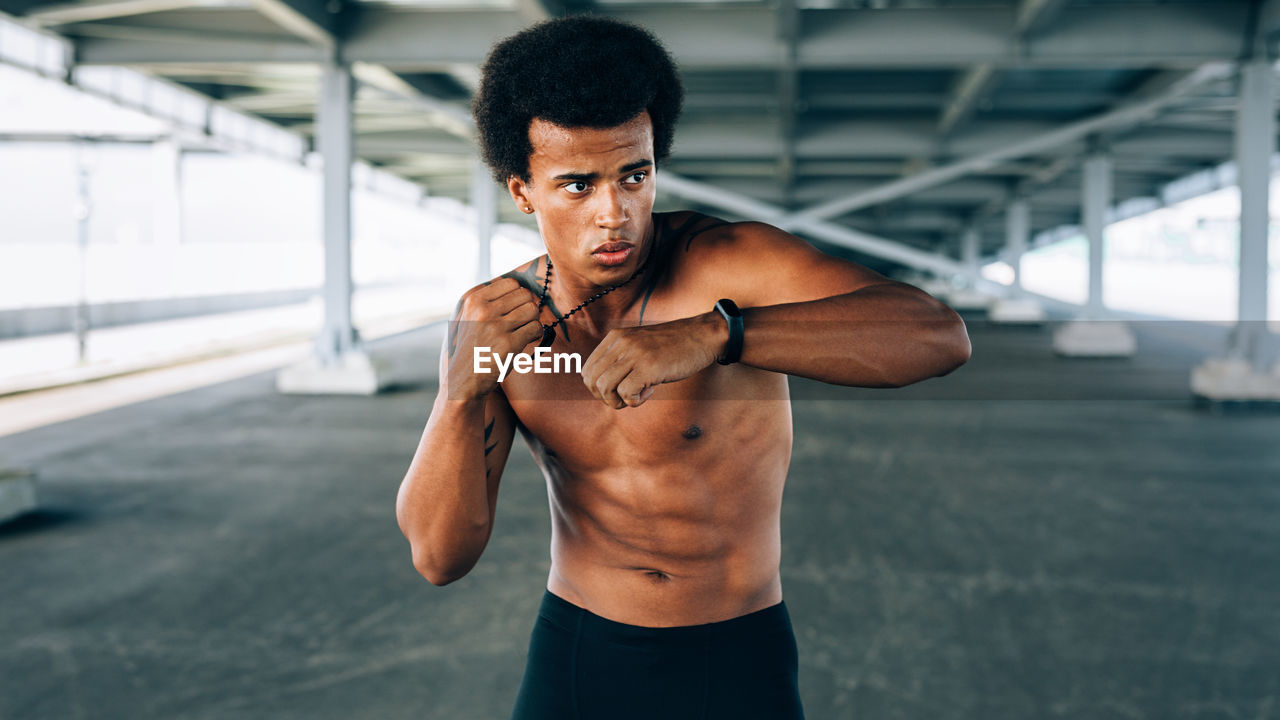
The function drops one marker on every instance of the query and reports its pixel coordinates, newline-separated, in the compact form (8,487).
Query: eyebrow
(584,177)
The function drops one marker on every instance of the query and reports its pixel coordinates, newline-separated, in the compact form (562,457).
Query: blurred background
(230,231)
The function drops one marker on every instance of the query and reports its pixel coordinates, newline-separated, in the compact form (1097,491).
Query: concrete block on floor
(1017,311)
(355,373)
(1229,379)
(1095,338)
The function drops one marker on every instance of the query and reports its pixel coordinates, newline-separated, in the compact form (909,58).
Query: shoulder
(760,263)
(698,233)
(528,275)
(715,251)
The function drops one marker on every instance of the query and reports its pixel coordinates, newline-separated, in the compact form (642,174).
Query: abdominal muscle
(666,514)
(688,543)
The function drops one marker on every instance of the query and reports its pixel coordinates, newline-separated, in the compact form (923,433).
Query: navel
(693,432)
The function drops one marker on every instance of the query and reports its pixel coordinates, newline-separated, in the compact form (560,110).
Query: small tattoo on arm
(453,329)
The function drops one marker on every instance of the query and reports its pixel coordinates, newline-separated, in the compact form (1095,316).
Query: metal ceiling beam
(63,13)
(1133,113)
(885,142)
(1035,16)
(307,19)
(395,145)
(185,46)
(1088,36)
(747,38)
(838,235)
(971,87)
(455,120)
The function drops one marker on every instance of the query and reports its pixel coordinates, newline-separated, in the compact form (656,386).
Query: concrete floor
(1028,537)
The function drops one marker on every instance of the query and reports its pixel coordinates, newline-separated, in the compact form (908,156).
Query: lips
(612,247)
(612,254)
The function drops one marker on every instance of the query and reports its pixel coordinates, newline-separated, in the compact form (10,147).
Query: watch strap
(733,317)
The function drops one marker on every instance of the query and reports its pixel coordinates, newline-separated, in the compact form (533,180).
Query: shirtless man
(665,466)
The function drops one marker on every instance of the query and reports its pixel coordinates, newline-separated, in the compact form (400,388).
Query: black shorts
(582,666)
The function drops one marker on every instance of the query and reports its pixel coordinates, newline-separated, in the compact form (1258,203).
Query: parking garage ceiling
(800,104)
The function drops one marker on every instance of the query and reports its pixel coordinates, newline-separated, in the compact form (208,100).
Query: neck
(603,313)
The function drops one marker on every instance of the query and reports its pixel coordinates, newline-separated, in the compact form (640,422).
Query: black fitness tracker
(732,316)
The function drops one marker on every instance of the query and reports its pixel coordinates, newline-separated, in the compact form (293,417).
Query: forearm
(880,336)
(443,506)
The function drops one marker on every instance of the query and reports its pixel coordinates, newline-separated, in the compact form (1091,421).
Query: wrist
(732,318)
(715,331)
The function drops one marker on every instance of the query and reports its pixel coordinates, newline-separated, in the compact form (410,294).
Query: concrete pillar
(484,200)
(1255,144)
(80,320)
(1096,200)
(1091,334)
(1017,228)
(969,298)
(339,364)
(335,139)
(1017,307)
(1242,374)
(970,243)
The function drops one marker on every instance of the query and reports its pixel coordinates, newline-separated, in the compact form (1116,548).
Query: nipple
(692,432)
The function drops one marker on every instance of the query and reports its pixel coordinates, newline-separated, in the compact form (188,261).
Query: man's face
(592,191)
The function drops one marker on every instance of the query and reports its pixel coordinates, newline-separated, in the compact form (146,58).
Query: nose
(611,213)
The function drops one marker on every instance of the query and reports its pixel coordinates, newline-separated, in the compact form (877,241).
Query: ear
(520,194)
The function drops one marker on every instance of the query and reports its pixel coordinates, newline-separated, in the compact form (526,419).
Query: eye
(576,188)
(637,177)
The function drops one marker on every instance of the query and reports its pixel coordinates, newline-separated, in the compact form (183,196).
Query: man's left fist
(630,361)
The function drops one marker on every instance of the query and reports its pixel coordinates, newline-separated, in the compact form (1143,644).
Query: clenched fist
(500,315)
(630,361)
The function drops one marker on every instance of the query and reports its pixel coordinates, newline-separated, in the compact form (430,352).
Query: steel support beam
(1175,36)
(64,13)
(971,87)
(336,143)
(456,120)
(307,19)
(1255,144)
(1096,200)
(1127,115)
(970,247)
(1036,16)
(753,209)
(1017,231)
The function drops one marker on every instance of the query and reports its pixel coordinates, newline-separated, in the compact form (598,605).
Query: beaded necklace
(549,330)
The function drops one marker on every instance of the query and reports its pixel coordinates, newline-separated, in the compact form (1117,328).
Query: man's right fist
(501,315)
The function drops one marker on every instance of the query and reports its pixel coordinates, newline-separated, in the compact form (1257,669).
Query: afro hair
(578,71)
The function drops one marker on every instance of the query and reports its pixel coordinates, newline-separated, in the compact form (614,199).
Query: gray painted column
(1096,199)
(484,202)
(1017,228)
(80,319)
(335,140)
(969,243)
(1255,144)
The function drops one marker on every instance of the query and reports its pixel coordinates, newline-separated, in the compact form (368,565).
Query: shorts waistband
(566,615)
